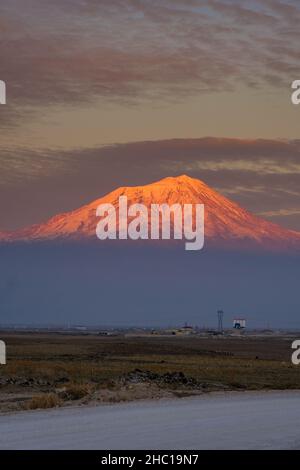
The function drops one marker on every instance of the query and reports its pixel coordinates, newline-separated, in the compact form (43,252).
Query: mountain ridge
(225,221)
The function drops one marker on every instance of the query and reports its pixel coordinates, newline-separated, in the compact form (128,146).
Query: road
(267,420)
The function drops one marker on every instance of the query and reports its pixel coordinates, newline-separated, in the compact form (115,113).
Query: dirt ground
(46,370)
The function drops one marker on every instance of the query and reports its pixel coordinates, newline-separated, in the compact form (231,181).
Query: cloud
(285,212)
(264,166)
(72,52)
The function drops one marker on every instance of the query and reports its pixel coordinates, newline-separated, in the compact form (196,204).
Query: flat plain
(58,369)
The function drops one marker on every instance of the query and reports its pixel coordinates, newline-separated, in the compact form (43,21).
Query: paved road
(227,421)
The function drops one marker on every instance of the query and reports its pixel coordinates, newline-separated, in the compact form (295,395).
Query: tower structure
(220,320)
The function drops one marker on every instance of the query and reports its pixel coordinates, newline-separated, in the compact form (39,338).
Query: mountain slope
(226,223)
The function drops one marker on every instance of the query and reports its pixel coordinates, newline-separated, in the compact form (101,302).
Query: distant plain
(47,370)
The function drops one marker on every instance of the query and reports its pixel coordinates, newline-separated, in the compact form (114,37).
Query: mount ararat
(226,223)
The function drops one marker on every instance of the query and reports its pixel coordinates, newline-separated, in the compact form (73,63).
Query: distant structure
(80,328)
(239,323)
(220,320)
(184,330)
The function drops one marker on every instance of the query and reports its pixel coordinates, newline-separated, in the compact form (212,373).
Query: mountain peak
(182,179)
(226,223)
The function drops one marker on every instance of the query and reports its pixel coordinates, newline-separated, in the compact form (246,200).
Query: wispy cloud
(280,212)
(71,52)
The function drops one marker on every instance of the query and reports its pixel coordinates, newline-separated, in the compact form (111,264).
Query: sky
(145,286)
(102,94)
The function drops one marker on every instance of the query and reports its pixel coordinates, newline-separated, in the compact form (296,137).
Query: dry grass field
(51,369)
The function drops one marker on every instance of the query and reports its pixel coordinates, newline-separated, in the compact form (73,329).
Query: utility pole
(220,320)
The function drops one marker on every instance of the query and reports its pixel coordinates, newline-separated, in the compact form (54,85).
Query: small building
(184,330)
(239,323)
(80,328)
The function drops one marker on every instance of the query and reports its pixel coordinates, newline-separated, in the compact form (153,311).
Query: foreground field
(49,370)
(231,420)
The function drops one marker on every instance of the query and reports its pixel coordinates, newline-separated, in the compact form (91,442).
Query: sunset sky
(108,93)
